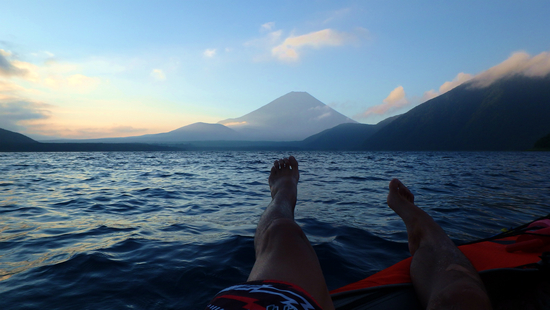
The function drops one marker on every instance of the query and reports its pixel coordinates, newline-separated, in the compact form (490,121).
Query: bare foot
(442,276)
(283,180)
(400,197)
(421,228)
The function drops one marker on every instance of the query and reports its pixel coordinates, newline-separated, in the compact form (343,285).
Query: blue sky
(88,69)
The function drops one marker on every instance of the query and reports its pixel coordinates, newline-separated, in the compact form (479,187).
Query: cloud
(397,99)
(288,50)
(98,132)
(233,124)
(459,79)
(7,68)
(59,131)
(519,63)
(9,90)
(15,112)
(52,74)
(325,115)
(158,74)
(43,54)
(267,26)
(209,52)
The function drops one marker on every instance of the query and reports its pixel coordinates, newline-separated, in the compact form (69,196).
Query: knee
(280,232)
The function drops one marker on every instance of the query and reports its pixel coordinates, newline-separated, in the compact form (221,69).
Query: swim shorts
(263,295)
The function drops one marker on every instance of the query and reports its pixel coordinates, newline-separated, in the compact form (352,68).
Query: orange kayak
(514,265)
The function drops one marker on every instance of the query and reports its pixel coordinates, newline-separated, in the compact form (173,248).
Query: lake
(167,230)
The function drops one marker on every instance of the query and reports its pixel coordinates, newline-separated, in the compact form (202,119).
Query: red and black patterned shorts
(263,295)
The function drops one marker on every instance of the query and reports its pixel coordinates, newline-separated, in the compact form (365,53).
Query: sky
(92,69)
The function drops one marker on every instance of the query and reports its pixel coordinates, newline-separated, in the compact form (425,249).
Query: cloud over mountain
(395,100)
(519,63)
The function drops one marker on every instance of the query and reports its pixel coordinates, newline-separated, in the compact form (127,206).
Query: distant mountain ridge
(11,137)
(511,114)
(193,132)
(15,142)
(294,116)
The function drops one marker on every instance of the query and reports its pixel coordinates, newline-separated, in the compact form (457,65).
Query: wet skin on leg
(442,276)
(283,251)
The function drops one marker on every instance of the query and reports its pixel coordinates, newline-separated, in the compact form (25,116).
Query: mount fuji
(294,116)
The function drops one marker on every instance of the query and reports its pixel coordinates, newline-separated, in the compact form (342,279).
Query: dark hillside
(349,136)
(543,143)
(510,114)
(342,137)
(7,136)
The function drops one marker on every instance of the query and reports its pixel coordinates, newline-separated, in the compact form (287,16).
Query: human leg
(442,276)
(283,252)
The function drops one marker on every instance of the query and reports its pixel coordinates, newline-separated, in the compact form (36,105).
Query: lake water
(168,230)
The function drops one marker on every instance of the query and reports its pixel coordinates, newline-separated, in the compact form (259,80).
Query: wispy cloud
(158,74)
(51,74)
(23,87)
(7,68)
(267,26)
(59,131)
(396,100)
(209,52)
(459,79)
(289,49)
(276,44)
(16,112)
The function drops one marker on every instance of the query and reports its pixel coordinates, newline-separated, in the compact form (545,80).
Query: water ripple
(168,230)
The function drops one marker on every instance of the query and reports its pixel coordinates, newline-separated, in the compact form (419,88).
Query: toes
(396,187)
(293,162)
(406,193)
(285,163)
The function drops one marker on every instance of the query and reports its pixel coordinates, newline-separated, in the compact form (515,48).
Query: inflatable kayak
(514,265)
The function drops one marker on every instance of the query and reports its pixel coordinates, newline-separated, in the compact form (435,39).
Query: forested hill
(510,114)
